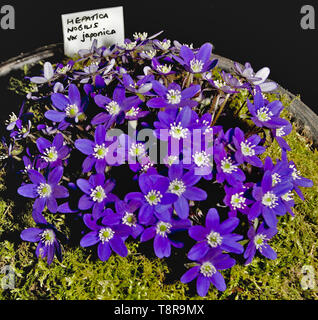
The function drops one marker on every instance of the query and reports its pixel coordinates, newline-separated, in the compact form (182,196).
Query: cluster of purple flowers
(175,92)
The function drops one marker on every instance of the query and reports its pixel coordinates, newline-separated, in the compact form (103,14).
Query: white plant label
(80,29)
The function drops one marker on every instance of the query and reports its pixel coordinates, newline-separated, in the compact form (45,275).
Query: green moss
(82,276)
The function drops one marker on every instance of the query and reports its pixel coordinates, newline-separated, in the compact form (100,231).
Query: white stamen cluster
(98,194)
(71,110)
(129,219)
(207,269)
(174,96)
(142,36)
(12,118)
(276,178)
(113,108)
(153,197)
(44,190)
(201,159)
(196,65)
(280,132)
(270,200)
(48,237)
(219,83)
(133,112)
(165,44)
(100,151)
(137,149)
(214,239)
(238,201)
(130,45)
(296,173)
(289,196)
(247,149)
(264,115)
(150,54)
(50,154)
(177,187)
(227,165)
(162,228)
(259,241)
(177,131)
(171,160)
(105,234)
(164,68)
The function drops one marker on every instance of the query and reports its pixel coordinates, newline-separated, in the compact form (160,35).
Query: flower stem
(221,109)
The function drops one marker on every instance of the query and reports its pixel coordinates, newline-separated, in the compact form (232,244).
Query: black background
(265,33)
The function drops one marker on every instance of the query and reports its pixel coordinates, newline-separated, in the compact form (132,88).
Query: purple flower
(237,200)
(215,235)
(155,198)
(99,152)
(96,193)
(258,241)
(115,107)
(247,149)
(48,74)
(280,132)
(141,87)
(52,154)
(71,107)
(44,191)
(266,114)
(173,96)
(206,271)
(160,231)
(127,210)
(162,69)
(46,236)
(268,202)
(199,62)
(256,79)
(108,234)
(226,167)
(183,186)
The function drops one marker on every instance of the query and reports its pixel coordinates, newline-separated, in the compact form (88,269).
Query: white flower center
(177,131)
(264,115)
(214,239)
(154,197)
(12,118)
(196,65)
(44,190)
(98,194)
(113,108)
(105,234)
(171,160)
(142,36)
(50,154)
(201,159)
(259,241)
(276,178)
(133,112)
(164,69)
(150,54)
(163,228)
(207,269)
(227,165)
(295,174)
(280,132)
(289,196)
(48,237)
(177,187)
(174,96)
(130,45)
(219,83)
(165,45)
(100,151)
(71,111)
(129,219)
(270,200)
(247,149)
(137,149)
(238,201)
